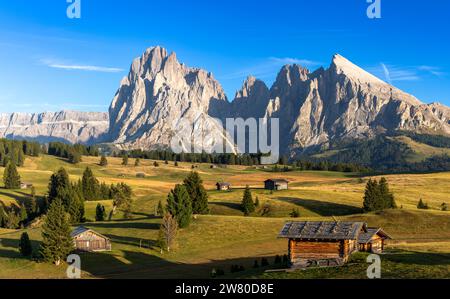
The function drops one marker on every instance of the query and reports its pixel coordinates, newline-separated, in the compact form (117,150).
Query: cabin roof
(322,230)
(223,184)
(366,237)
(81,230)
(278,180)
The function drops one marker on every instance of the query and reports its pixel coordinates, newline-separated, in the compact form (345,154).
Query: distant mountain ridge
(316,109)
(64,126)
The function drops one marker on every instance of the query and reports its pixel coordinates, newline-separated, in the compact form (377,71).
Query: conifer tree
(371,196)
(2,216)
(100,213)
(57,242)
(386,195)
(103,161)
(25,247)
(61,188)
(422,206)
(137,162)
(179,205)
(11,177)
(23,214)
(90,185)
(125,160)
(248,206)
(197,193)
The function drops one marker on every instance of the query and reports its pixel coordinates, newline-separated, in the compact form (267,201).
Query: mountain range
(315,109)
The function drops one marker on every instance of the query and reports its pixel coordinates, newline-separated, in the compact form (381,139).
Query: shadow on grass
(230,205)
(123,224)
(418,258)
(323,208)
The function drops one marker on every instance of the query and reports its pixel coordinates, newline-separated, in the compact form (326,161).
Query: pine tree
(23,214)
(257,202)
(137,162)
(25,247)
(179,205)
(103,161)
(20,158)
(61,188)
(422,206)
(125,160)
(167,233)
(74,156)
(57,242)
(197,193)
(371,196)
(3,216)
(248,206)
(90,185)
(11,177)
(100,213)
(386,196)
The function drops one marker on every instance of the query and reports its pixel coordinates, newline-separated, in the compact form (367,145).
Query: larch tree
(167,232)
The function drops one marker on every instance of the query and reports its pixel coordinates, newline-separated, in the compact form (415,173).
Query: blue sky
(49,62)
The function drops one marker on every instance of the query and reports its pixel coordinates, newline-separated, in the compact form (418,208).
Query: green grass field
(225,237)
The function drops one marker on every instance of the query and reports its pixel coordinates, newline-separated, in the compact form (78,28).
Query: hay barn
(88,240)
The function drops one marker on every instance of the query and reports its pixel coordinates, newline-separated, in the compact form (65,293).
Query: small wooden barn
(88,240)
(321,243)
(223,186)
(24,185)
(276,184)
(374,240)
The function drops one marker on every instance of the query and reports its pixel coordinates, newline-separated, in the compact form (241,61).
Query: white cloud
(80,67)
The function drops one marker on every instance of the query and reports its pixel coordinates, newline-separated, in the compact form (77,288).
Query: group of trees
(162,155)
(72,152)
(13,217)
(378,197)
(14,151)
(11,177)
(182,202)
(187,199)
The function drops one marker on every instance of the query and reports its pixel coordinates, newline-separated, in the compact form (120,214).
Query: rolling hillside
(218,240)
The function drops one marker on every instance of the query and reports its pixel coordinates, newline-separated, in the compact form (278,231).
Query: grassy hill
(226,237)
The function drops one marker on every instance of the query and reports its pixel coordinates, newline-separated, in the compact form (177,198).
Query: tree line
(14,151)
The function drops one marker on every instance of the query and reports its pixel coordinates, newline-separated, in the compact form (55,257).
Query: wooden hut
(276,184)
(86,239)
(321,243)
(24,186)
(373,240)
(140,175)
(223,186)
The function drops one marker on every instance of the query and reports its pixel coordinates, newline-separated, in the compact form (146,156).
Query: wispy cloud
(393,73)
(268,68)
(436,71)
(288,60)
(80,67)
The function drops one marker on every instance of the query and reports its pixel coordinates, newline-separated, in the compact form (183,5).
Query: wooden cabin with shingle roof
(88,240)
(314,243)
(374,240)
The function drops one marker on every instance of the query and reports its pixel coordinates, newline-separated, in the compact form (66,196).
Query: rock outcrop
(64,126)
